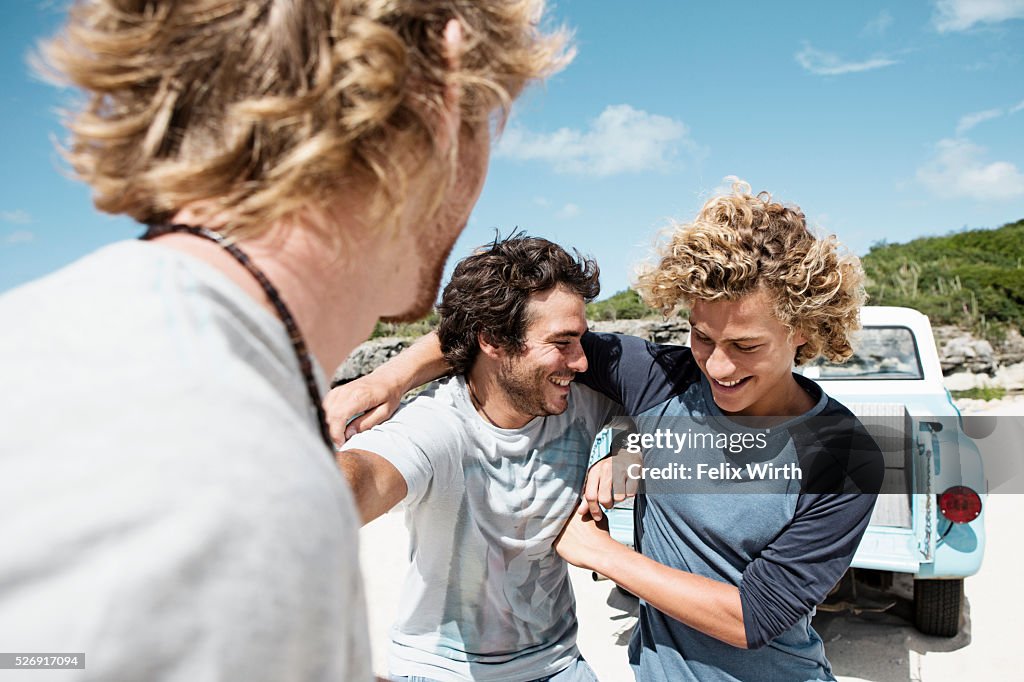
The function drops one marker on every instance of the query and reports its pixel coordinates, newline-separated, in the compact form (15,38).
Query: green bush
(625,305)
(973,278)
(981,393)
(406,329)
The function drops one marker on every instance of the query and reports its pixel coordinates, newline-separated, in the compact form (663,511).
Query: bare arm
(609,480)
(378,394)
(704,604)
(376,483)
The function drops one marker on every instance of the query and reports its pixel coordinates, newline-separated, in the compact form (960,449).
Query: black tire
(937,605)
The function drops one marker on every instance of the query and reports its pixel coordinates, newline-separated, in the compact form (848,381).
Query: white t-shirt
(486,597)
(167,505)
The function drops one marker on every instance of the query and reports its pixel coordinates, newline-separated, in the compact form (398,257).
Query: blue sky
(882,120)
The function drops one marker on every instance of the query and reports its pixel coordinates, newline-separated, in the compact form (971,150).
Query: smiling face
(746,354)
(536,380)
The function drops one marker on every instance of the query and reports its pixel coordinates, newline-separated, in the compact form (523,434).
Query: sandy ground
(869,646)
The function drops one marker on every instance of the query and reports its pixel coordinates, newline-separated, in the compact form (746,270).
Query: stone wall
(367,356)
(967,362)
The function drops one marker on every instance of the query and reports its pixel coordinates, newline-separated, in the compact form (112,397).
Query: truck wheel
(937,605)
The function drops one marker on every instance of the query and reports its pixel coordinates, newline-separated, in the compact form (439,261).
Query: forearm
(376,485)
(368,401)
(416,365)
(707,605)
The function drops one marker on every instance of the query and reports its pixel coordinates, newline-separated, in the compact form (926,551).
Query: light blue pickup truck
(929,519)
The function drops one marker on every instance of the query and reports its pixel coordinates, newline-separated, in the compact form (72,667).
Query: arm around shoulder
(368,401)
(633,372)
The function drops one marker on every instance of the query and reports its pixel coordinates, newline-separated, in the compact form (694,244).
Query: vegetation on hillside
(625,305)
(973,278)
(406,329)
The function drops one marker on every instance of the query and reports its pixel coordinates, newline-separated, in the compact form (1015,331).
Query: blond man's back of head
(262,108)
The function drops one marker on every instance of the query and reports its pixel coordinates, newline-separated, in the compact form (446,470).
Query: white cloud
(620,140)
(968,121)
(960,15)
(543,202)
(879,25)
(823,63)
(19,237)
(958,170)
(570,210)
(17,217)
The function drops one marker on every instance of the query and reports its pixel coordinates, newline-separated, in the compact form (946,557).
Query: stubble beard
(440,240)
(430,273)
(525,390)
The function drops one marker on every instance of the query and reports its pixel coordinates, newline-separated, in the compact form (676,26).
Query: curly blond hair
(740,243)
(261,108)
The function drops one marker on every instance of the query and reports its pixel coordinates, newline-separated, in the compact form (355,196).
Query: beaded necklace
(285,315)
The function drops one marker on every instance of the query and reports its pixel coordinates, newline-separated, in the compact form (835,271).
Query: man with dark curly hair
(489,465)
(170,504)
(757,486)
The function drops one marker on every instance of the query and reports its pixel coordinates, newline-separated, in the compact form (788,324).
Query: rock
(965,353)
(970,405)
(965,381)
(1011,377)
(632,327)
(368,356)
(1010,350)
(967,362)
(674,330)
(1008,406)
(960,351)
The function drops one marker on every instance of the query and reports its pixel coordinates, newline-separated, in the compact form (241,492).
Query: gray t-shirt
(167,505)
(486,598)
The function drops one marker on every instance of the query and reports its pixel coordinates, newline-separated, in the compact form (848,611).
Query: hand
(583,538)
(375,397)
(608,483)
(372,395)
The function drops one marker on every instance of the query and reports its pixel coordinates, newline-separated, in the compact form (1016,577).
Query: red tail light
(960,504)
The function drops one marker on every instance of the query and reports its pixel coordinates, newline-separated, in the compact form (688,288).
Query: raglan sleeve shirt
(798,569)
(633,372)
(795,571)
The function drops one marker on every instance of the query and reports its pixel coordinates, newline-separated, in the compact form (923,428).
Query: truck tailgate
(897,536)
